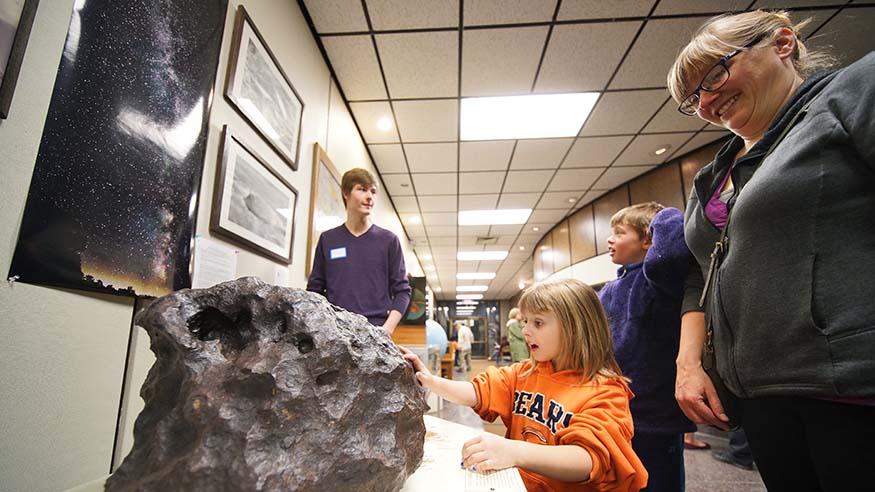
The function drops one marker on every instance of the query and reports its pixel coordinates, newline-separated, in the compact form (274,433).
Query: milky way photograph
(113,197)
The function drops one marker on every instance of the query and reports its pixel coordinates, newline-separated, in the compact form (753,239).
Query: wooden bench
(448,360)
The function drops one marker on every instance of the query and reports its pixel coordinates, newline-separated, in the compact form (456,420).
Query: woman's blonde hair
(514,312)
(723,34)
(586,343)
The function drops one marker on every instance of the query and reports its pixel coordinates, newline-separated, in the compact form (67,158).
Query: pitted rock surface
(258,387)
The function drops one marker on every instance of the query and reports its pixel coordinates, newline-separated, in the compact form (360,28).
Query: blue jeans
(663,457)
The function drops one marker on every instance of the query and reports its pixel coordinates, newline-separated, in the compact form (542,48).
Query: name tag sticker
(338,253)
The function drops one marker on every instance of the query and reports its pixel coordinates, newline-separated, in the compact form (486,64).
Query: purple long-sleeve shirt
(364,274)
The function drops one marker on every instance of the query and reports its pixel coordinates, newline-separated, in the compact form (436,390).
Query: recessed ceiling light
(426,257)
(469,296)
(494,217)
(414,219)
(481,255)
(530,116)
(472,288)
(522,248)
(572,200)
(521,285)
(662,150)
(437,289)
(384,123)
(476,276)
(536,228)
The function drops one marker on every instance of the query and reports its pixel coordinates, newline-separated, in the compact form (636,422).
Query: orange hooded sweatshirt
(558,408)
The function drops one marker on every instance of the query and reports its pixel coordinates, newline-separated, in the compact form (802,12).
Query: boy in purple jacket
(358,265)
(644,307)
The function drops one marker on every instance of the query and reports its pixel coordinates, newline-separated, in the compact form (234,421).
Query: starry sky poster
(114,192)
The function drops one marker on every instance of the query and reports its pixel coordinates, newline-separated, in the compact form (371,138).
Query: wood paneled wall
(584,234)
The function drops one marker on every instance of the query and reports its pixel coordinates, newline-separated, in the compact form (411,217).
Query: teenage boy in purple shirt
(358,265)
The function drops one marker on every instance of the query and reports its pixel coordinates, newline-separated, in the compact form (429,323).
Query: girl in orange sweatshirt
(566,409)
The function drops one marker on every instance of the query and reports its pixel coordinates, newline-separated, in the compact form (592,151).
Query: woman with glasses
(789,290)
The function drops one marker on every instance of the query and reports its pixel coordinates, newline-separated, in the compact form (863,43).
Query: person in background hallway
(466,338)
(358,265)
(739,454)
(519,349)
(791,303)
(643,306)
(566,408)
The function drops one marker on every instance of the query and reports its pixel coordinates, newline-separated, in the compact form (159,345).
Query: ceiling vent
(486,240)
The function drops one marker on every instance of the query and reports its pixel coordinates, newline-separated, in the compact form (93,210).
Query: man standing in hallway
(358,265)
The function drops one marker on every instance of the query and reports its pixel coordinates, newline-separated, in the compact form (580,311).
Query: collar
(623,270)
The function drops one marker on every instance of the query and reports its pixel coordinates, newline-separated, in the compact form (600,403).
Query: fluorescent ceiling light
(384,123)
(508,216)
(481,255)
(468,296)
(466,304)
(531,116)
(472,288)
(476,276)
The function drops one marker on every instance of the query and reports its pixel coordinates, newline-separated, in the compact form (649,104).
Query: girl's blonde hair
(723,34)
(586,343)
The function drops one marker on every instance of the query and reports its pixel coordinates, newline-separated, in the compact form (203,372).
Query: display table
(440,470)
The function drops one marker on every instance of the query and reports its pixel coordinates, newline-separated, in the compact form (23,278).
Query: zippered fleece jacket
(558,408)
(793,305)
(644,310)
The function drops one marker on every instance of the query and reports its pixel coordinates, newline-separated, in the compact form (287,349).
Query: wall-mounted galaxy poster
(114,192)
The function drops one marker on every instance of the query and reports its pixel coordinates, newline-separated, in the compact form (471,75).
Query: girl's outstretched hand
(488,452)
(422,373)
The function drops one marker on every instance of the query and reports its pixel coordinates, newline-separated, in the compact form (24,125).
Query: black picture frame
(259,89)
(253,205)
(16,55)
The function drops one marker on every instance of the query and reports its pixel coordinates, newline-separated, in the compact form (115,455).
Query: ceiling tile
(818,17)
(574,179)
(427,121)
(654,51)
(367,114)
(442,240)
(782,4)
(503,239)
(477,202)
(599,9)
(439,219)
(700,140)
(440,231)
(641,150)
(431,157)
(404,204)
(485,156)
(623,113)
(435,183)
(548,216)
(468,240)
(337,15)
(579,59)
(848,35)
(413,14)
(473,230)
(420,64)
(518,200)
(675,7)
(616,176)
(544,153)
(438,203)
(389,158)
(506,230)
(669,119)
(397,184)
(523,181)
(478,183)
(559,200)
(501,61)
(595,151)
(355,64)
(414,231)
(482,12)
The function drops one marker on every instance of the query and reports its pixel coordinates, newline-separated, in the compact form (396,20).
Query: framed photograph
(259,89)
(252,204)
(326,201)
(16,19)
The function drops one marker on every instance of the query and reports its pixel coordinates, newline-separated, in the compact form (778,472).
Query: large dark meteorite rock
(258,387)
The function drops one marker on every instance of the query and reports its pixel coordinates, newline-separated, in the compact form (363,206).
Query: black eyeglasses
(713,80)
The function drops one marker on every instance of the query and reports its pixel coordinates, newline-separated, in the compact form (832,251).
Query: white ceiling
(412,61)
